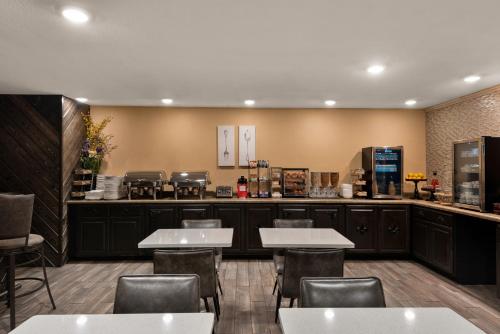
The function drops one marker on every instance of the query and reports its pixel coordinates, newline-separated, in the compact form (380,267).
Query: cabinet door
(231,216)
(161,218)
(361,228)
(194,212)
(420,239)
(329,217)
(91,237)
(124,235)
(394,233)
(293,212)
(441,239)
(498,260)
(257,217)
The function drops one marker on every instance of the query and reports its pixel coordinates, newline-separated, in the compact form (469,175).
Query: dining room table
(188,238)
(172,323)
(303,238)
(391,320)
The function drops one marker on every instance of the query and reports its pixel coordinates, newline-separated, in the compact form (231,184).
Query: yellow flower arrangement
(97,144)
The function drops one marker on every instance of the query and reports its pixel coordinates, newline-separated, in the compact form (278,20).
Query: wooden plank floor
(247,304)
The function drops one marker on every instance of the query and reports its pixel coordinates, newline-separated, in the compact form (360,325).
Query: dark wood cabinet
(124,235)
(458,246)
(327,216)
(498,259)
(432,238)
(258,216)
(419,239)
(441,247)
(393,234)
(293,211)
(91,238)
(232,217)
(195,211)
(361,228)
(161,217)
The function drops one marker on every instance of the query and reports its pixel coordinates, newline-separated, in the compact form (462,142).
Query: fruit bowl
(416,179)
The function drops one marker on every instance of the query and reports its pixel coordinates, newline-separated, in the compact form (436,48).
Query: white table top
(303,237)
(187,238)
(172,323)
(374,321)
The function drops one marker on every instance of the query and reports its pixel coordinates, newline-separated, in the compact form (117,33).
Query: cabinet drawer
(125,210)
(433,216)
(99,210)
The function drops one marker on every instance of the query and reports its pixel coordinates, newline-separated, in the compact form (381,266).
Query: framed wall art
(225,146)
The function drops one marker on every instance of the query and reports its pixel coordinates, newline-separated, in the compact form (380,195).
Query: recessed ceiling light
(82,99)
(167,101)
(75,15)
(375,69)
(410,102)
(472,78)
(249,103)
(330,103)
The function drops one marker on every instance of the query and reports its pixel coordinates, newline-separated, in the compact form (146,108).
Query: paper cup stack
(346,190)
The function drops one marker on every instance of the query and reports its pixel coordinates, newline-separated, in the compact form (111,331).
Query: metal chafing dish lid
(189,179)
(145,177)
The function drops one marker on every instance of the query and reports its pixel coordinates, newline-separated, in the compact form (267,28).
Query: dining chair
(278,253)
(16,213)
(157,294)
(341,292)
(191,261)
(307,263)
(208,223)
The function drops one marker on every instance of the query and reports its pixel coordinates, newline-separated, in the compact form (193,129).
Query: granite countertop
(422,203)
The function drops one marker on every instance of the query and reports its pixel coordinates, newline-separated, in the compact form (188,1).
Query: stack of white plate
(346,190)
(99,184)
(113,187)
(94,194)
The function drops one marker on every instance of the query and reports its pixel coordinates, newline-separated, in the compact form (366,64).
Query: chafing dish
(190,183)
(145,183)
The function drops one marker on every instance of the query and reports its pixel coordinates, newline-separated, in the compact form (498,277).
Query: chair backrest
(16,213)
(293,223)
(189,261)
(341,292)
(201,223)
(157,294)
(310,263)
(290,223)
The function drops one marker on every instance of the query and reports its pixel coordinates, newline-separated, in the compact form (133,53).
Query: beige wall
(320,139)
(467,117)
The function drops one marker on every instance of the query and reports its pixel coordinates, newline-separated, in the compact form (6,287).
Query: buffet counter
(213,200)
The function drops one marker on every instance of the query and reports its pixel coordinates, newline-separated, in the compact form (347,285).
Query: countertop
(422,203)
(390,320)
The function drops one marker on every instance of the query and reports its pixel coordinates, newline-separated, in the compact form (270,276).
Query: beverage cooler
(476,173)
(384,171)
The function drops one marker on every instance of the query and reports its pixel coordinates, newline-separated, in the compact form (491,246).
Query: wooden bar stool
(16,212)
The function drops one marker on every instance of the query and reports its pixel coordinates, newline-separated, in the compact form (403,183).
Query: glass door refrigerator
(384,171)
(476,173)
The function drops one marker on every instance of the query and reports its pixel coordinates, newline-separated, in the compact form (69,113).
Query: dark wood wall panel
(33,132)
(73,134)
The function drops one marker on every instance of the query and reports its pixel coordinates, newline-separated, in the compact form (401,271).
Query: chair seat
(34,240)
(279,263)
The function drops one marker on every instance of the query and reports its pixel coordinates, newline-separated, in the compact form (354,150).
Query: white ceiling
(282,53)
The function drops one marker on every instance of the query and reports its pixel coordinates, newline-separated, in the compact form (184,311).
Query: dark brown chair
(307,263)
(278,254)
(191,261)
(157,294)
(208,223)
(341,292)
(16,213)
